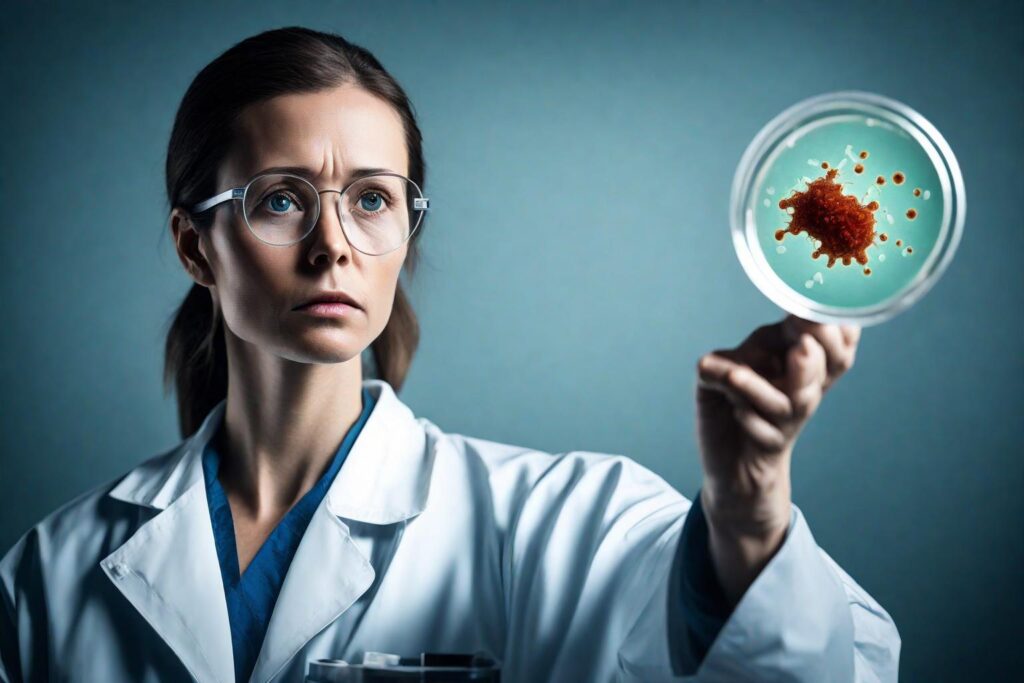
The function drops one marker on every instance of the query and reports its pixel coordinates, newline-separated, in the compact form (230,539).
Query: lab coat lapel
(383,480)
(169,570)
(327,575)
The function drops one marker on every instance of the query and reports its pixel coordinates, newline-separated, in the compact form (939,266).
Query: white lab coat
(559,565)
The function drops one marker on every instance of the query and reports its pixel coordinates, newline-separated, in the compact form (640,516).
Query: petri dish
(847,208)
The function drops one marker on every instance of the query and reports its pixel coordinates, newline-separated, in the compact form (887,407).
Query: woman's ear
(188,243)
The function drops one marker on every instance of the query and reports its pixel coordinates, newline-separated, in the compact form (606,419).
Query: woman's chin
(325,346)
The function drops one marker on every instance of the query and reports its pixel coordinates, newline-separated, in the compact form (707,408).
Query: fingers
(806,373)
(776,377)
(763,433)
(851,334)
(839,343)
(769,338)
(743,385)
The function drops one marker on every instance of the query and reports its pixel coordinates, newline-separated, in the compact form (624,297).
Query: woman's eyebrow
(308,173)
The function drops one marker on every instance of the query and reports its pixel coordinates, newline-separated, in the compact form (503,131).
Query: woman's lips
(334,309)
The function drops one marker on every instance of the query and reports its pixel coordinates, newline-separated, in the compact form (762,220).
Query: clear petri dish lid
(846,208)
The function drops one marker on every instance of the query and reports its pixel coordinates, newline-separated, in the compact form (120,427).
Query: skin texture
(753,401)
(294,380)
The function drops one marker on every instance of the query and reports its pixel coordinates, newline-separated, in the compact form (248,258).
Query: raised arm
(613,575)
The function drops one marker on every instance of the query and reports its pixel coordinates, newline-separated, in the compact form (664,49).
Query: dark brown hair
(282,61)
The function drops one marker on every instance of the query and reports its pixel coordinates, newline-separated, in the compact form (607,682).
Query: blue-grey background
(578,260)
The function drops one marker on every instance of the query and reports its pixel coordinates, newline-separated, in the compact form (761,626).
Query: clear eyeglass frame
(420,203)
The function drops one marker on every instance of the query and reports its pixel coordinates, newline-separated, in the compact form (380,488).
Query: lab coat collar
(384,479)
(169,569)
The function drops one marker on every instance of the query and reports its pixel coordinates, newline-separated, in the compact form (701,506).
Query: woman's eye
(279,202)
(371,201)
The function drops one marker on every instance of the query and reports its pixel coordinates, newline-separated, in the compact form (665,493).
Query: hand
(752,403)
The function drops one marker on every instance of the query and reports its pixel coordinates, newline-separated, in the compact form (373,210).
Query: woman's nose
(329,234)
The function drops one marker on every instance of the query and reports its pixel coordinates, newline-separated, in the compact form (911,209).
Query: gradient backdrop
(578,259)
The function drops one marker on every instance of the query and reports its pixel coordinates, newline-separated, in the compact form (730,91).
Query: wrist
(736,512)
(742,538)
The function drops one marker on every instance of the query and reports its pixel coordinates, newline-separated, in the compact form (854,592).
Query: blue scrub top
(705,606)
(251,596)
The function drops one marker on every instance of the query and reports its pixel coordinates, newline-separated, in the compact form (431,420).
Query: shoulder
(521,476)
(81,531)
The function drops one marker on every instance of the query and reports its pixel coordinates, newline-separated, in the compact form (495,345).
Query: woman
(295,175)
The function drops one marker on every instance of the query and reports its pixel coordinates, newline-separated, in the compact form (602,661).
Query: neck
(283,423)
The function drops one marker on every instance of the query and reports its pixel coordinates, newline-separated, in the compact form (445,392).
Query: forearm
(742,542)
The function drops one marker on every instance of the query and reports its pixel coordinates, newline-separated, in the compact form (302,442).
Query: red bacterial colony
(844,226)
(838,223)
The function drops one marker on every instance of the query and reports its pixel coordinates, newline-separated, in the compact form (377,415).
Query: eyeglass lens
(376,212)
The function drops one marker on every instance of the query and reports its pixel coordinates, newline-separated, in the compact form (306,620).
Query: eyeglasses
(378,212)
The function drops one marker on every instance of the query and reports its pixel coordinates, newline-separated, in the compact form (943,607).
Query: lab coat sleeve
(22,613)
(590,536)
(802,619)
(592,572)
(9,667)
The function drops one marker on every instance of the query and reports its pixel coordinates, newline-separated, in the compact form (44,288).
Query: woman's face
(257,286)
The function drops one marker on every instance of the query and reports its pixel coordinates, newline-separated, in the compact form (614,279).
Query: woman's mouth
(333,309)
